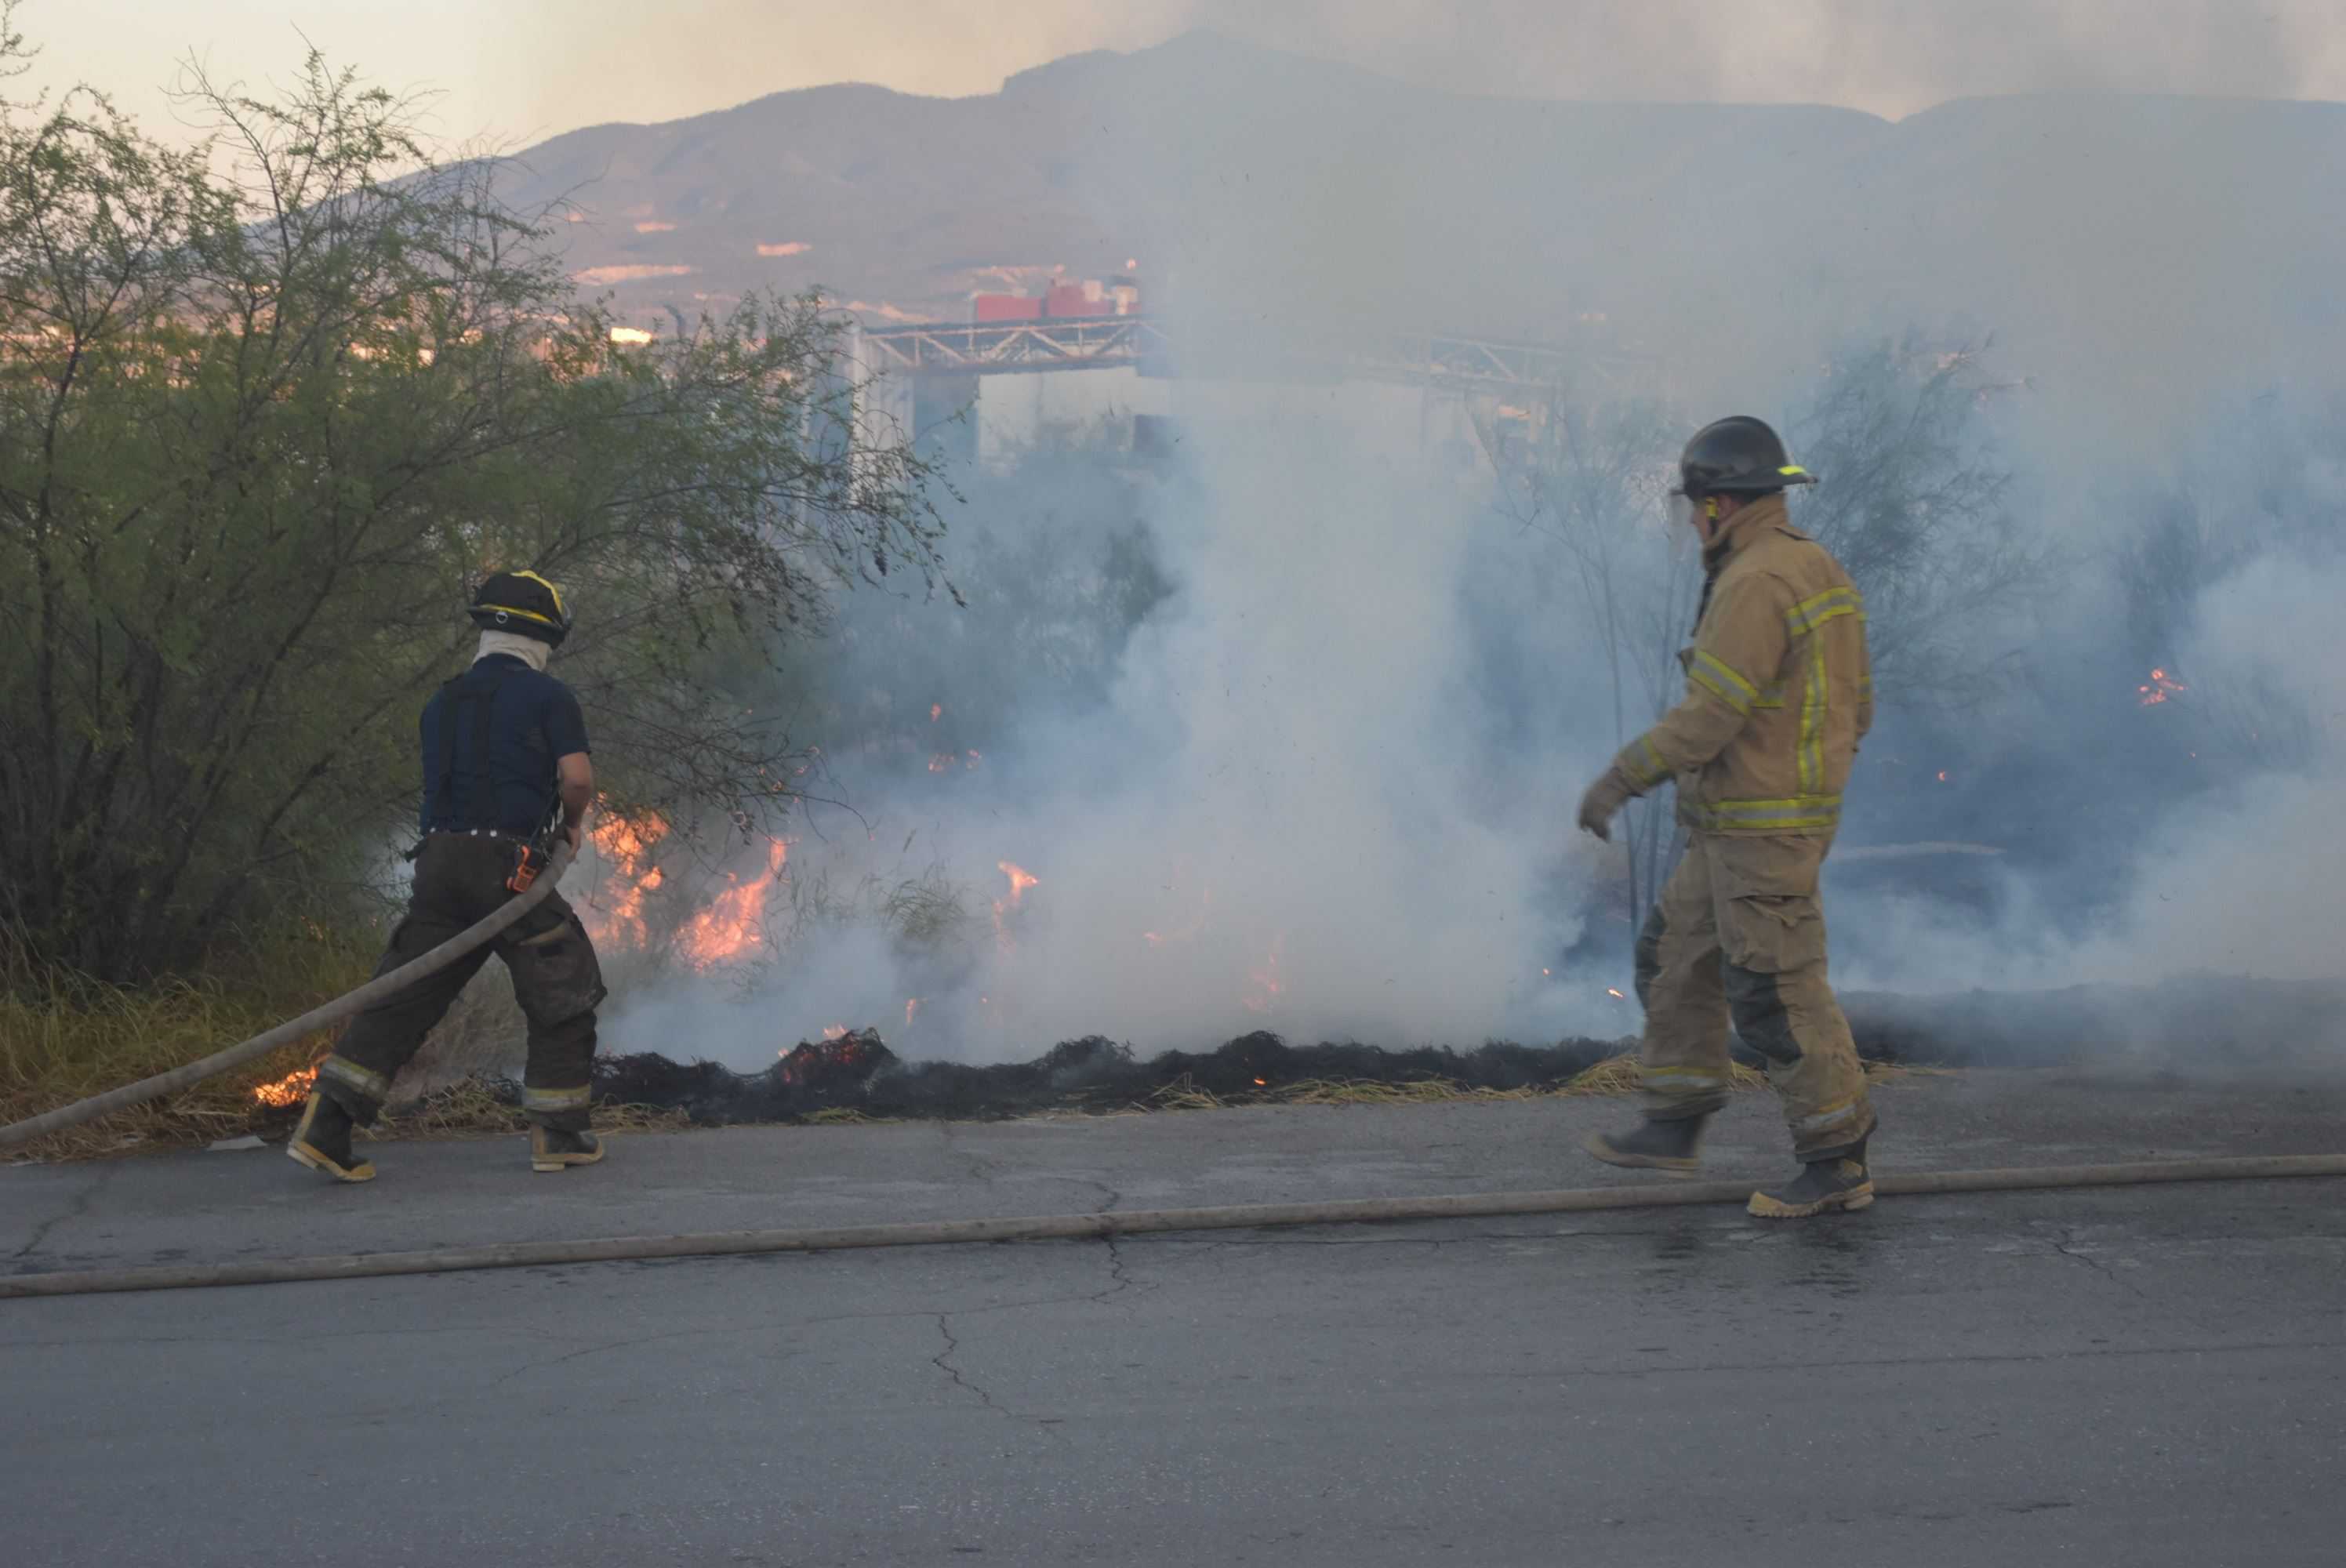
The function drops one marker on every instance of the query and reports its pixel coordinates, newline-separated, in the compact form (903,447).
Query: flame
(2160,687)
(942,762)
(631,337)
(936,711)
(291,1090)
(1020,881)
(974,758)
(912,1005)
(1943,777)
(843,1050)
(1615,994)
(626,844)
(1261,1082)
(734,923)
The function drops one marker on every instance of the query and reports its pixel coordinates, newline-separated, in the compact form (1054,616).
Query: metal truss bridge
(1482,365)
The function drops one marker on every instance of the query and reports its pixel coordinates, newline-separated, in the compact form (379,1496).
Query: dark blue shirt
(533,720)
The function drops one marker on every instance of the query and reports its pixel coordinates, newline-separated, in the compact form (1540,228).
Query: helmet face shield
(1680,508)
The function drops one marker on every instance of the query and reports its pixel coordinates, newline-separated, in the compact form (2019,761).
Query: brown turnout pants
(1738,934)
(556,978)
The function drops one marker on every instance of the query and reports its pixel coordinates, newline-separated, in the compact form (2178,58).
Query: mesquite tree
(268,408)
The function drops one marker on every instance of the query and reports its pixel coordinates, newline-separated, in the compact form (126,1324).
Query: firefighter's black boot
(552,1149)
(321,1140)
(1839,1184)
(1670,1146)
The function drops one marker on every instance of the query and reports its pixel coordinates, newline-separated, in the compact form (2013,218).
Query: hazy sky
(519,70)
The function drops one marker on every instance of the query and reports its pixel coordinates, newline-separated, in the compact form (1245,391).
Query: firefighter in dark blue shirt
(505,767)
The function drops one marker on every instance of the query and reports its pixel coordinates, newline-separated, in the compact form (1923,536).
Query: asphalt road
(2139,1377)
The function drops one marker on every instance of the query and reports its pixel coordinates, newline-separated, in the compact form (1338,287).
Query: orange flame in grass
(734,924)
(1266,983)
(1021,880)
(624,844)
(291,1090)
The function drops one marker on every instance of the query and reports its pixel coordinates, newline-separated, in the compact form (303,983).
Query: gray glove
(1605,798)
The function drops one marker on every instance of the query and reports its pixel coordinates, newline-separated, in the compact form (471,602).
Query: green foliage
(268,409)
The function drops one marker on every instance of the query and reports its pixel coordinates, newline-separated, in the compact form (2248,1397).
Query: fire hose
(1129,1222)
(334,1012)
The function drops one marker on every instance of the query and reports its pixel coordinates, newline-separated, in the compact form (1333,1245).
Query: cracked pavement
(2149,1375)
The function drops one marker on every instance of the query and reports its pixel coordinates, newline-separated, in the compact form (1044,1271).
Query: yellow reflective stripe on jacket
(1646,768)
(1772,697)
(1803,619)
(1812,722)
(1795,812)
(1722,680)
(1832,604)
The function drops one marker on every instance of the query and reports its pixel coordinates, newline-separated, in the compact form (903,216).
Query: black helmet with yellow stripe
(1738,455)
(522,602)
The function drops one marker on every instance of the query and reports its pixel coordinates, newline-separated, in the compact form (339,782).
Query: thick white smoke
(1324,785)
(1279,818)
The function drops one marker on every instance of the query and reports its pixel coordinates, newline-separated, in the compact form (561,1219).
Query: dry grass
(473,1109)
(62,1038)
(848,1117)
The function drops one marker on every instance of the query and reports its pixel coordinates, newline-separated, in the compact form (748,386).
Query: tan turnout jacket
(1779,688)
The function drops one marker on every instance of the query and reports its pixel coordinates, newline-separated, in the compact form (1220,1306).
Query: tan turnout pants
(1738,935)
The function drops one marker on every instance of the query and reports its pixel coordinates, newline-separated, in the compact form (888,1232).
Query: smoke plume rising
(1284,730)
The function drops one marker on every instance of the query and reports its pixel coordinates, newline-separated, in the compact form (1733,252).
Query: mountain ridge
(1246,181)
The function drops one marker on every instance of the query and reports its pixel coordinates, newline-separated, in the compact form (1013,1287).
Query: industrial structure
(922,376)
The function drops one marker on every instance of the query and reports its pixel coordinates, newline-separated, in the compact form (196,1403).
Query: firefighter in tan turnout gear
(1779,693)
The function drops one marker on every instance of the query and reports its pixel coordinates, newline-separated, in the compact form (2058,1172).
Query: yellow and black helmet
(522,602)
(1738,455)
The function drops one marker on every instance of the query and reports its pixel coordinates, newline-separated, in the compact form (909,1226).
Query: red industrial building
(1059,302)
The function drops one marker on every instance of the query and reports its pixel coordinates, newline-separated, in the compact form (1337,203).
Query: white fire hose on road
(472,936)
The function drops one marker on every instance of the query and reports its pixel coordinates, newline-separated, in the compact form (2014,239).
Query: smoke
(1891,57)
(1284,730)
(2258,885)
(1273,812)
